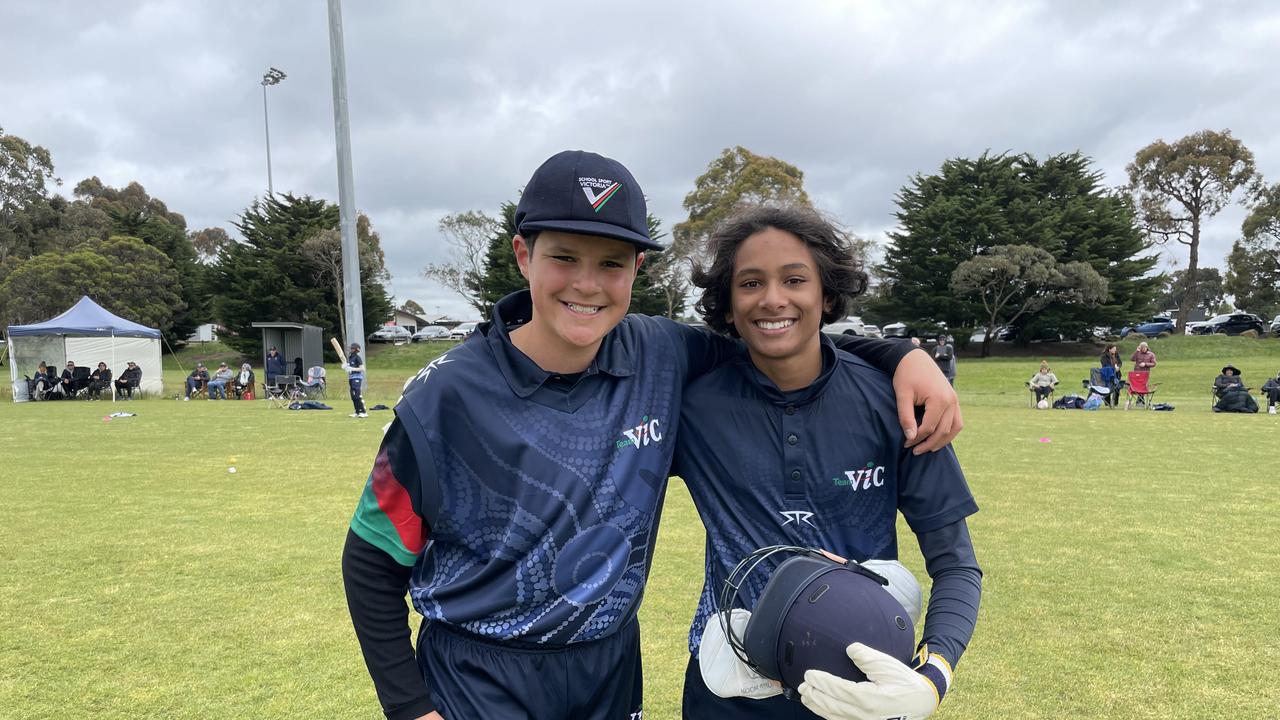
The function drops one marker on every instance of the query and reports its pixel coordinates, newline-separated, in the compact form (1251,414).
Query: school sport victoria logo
(863,478)
(598,191)
(648,431)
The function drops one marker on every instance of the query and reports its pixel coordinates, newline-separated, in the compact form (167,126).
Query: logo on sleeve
(863,478)
(648,431)
(598,191)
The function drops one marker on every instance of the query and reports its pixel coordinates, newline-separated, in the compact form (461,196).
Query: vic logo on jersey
(863,478)
(649,430)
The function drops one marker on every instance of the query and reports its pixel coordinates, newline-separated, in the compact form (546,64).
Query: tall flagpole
(346,183)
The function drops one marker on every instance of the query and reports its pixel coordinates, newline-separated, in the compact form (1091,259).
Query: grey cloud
(452,106)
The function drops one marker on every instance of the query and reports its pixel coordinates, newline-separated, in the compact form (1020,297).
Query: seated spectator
(242,384)
(99,380)
(1043,382)
(68,382)
(1228,380)
(130,379)
(196,381)
(1271,388)
(218,384)
(45,384)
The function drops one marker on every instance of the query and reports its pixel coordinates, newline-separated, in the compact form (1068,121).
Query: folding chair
(1141,388)
(1215,394)
(1031,394)
(1103,383)
(80,381)
(285,391)
(315,384)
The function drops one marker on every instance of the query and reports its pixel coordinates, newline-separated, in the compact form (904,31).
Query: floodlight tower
(270,77)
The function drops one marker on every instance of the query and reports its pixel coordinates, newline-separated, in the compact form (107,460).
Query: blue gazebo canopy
(86,319)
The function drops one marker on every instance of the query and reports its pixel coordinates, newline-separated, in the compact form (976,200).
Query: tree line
(138,259)
(1003,239)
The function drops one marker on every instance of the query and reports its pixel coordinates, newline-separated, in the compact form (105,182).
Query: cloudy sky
(454,104)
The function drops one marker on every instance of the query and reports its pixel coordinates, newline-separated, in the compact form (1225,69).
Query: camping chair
(1102,382)
(80,381)
(1031,394)
(286,390)
(315,382)
(1141,388)
(1215,395)
(201,389)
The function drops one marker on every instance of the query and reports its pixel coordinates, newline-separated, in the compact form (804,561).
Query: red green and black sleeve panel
(386,536)
(389,515)
(376,585)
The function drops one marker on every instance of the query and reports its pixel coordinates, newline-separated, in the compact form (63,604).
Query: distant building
(407,320)
(205,333)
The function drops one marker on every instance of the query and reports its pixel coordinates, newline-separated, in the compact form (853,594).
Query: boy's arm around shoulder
(917,380)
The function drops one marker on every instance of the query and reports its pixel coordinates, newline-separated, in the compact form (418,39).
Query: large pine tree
(268,277)
(972,205)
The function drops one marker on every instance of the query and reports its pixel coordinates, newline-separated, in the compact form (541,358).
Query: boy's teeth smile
(583,309)
(774,324)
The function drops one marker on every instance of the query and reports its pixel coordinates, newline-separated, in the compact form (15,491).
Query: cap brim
(589,227)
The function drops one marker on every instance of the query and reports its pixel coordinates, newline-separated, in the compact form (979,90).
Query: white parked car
(391,334)
(462,331)
(872,331)
(851,325)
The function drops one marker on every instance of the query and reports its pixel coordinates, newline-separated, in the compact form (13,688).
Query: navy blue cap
(580,192)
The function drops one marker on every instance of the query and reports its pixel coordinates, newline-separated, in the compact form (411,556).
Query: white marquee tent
(86,334)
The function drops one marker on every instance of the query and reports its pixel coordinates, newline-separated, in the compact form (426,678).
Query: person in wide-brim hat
(1230,378)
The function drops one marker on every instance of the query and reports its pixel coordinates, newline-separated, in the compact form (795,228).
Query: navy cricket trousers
(355,384)
(474,678)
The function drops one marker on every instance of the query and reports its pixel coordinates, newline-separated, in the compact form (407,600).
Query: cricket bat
(337,346)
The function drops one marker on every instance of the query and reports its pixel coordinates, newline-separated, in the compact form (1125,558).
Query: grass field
(1129,556)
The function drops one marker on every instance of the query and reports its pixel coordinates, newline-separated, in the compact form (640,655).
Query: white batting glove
(724,674)
(892,691)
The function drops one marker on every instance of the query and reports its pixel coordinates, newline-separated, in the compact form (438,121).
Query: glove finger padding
(903,585)
(892,690)
(722,670)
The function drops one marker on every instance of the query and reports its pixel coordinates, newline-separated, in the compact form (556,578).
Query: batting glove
(724,674)
(892,691)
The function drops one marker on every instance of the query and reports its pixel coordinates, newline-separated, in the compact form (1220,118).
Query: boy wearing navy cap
(813,458)
(516,493)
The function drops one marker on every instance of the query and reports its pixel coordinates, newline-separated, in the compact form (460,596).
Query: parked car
(1232,324)
(1275,326)
(1150,328)
(872,331)
(431,332)
(851,325)
(1190,328)
(391,334)
(1004,334)
(897,330)
(462,331)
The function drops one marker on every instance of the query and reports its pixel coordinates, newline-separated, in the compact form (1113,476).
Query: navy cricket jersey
(538,495)
(822,467)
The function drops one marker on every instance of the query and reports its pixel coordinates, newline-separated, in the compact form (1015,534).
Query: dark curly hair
(841,275)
